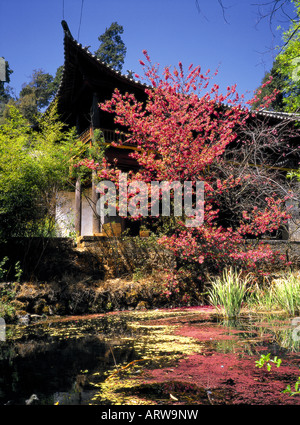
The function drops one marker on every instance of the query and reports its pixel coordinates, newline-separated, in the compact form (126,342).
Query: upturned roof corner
(66,29)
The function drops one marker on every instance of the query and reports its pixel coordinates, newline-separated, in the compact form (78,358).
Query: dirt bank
(71,296)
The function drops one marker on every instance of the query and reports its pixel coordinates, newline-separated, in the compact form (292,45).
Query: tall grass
(286,292)
(228,292)
(261,297)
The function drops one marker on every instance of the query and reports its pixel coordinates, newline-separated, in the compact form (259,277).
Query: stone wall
(48,259)
(126,255)
(99,257)
(291,249)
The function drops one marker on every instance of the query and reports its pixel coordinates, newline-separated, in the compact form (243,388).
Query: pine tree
(112,49)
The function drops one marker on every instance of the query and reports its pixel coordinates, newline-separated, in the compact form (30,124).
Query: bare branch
(221,5)
(199,10)
(223,10)
(259,160)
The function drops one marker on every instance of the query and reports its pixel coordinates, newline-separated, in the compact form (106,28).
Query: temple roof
(278,115)
(83,75)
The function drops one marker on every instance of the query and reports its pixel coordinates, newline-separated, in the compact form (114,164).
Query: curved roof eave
(68,38)
(277,115)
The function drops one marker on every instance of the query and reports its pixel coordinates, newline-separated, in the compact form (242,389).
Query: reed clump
(227,292)
(286,292)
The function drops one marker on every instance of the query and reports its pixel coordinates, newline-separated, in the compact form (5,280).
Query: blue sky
(31,35)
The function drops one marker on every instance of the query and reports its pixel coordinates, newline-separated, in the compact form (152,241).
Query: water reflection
(277,333)
(58,361)
(52,361)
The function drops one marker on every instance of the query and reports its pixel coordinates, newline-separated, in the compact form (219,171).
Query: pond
(174,356)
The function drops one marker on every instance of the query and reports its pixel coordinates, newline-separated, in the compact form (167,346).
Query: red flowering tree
(184,133)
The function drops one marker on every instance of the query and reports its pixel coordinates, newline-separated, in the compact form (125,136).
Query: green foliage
(7,311)
(289,62)
(8,290)
(260,297)
(33,166)
(93,152)
(228,292)
(265,360)
(40,87)
(18,271)
(296,390)
(138,274)
(3,271)
(7,296)
(281,292)
(287,293)
(57,79)
(286,70)
(278,83)
(112,49)
(97,148)
(36,95)
(294,174)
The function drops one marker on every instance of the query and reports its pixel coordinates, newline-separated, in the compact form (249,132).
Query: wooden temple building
(86,81)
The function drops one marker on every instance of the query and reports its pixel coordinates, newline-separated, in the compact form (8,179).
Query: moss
(157,346)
